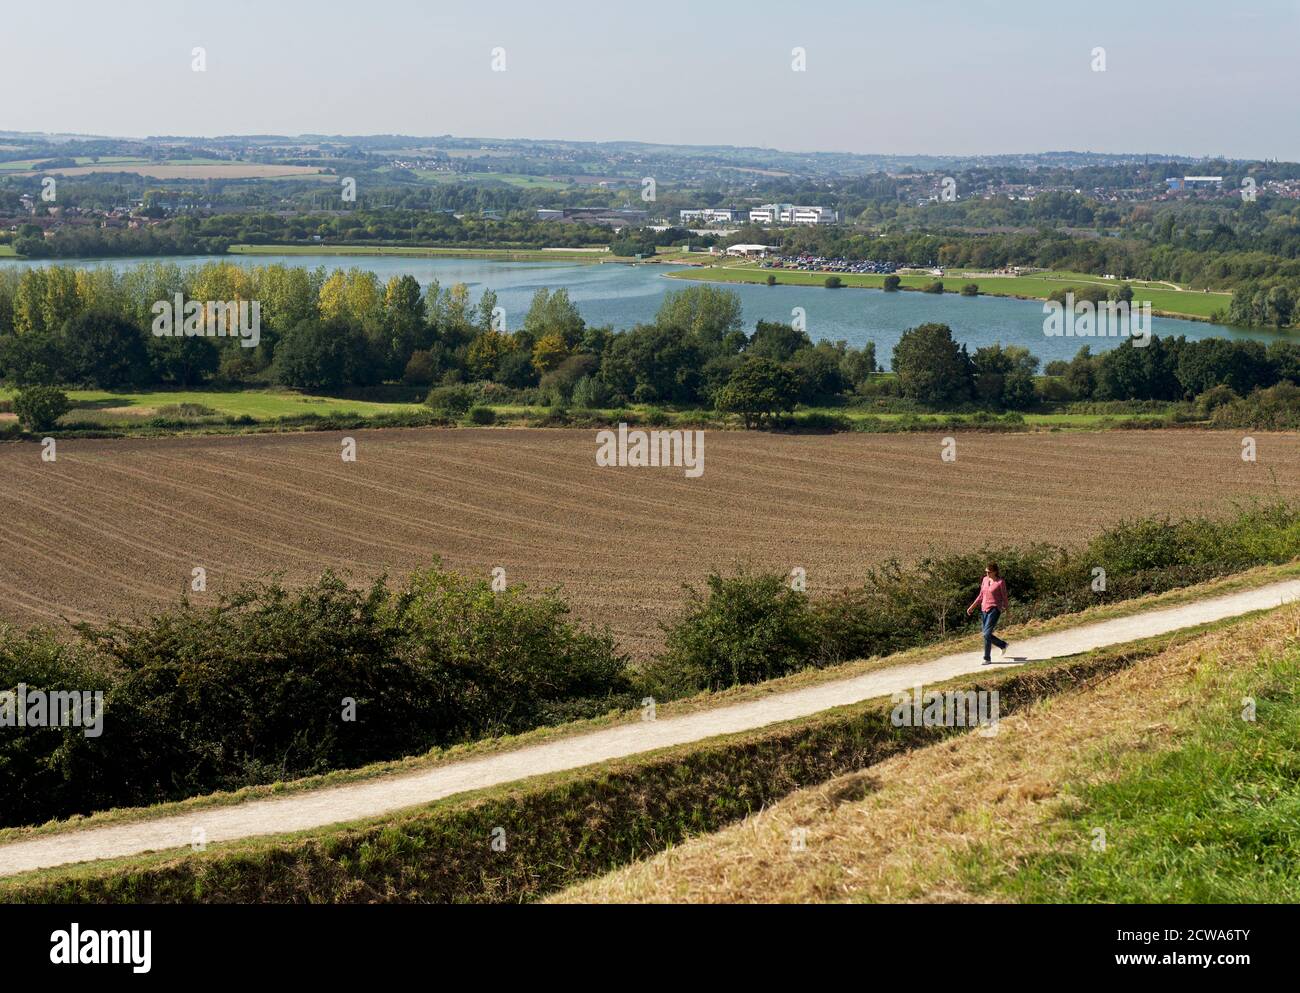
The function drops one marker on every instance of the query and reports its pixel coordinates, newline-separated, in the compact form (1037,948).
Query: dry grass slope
(899,831)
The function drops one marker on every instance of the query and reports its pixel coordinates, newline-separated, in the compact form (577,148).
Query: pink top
(993,593)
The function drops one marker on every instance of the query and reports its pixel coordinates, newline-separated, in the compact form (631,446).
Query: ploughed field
(113,527)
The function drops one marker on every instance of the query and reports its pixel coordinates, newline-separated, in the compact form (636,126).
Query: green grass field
(262,405)
(26,165)
(7,251)
(520,180)
(1178,303)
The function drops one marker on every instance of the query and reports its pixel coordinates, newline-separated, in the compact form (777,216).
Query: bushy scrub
(1274,409)
(505,661)
(34,761)
(742,629)
(451,401)
(40,407)
(752,627)
(274,684)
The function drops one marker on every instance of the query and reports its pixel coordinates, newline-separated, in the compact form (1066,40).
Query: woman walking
(992,600)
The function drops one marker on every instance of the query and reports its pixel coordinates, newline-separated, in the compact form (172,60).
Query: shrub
(482,415)
(833,282)
(935,287)
(1276,408)
(252,691)
(591,392)
(747,628)
(452,401)
(970,290)
(40,407)
(771,280)
(752,627)
(892,283)
(421,369)
(1214,398)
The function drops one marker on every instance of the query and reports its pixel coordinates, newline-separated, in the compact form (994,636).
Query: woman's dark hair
(993,568)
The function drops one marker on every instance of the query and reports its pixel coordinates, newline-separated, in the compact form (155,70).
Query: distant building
(789,213)
(714,215)
(751,250)
(614,217)
(1177,185)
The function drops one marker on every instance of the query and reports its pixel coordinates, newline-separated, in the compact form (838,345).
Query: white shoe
(1004,651)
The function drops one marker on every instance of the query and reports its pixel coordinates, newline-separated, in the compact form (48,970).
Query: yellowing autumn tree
(549,352)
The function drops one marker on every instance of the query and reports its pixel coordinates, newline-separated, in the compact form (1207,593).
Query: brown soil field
(113,527)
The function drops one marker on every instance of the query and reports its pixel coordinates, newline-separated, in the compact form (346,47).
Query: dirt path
(338,804)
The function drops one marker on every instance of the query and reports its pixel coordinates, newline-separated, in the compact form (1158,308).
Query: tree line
(343,329)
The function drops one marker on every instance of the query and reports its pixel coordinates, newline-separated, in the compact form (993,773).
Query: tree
(40,407)
(651,364)
(1280,306)
(1130,372)
(102,350)
(553,314)
(857,364)
(485,352)
(549,352)
(1004,377)
(31,358)
(1081,374)
(931,367)
(706,313)
(316,355)
(404,327)
(183,361)
(818,374)
(1242,366)
(892,283)
(776,341)
(758,390)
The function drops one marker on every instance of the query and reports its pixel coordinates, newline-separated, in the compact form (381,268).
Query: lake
(624,295)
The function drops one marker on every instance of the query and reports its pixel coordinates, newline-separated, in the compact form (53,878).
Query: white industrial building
(750,251)
(714,215)
(789,213)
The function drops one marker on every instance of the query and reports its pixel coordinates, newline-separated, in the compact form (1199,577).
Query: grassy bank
(1165,301)
(1145,786)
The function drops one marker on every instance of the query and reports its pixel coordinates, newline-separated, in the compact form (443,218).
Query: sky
(959,77)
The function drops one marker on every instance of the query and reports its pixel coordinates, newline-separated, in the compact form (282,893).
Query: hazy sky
(897,76)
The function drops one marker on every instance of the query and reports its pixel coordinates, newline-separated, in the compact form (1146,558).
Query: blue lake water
(623,295)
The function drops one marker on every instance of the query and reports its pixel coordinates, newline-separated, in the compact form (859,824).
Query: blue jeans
(990,639)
